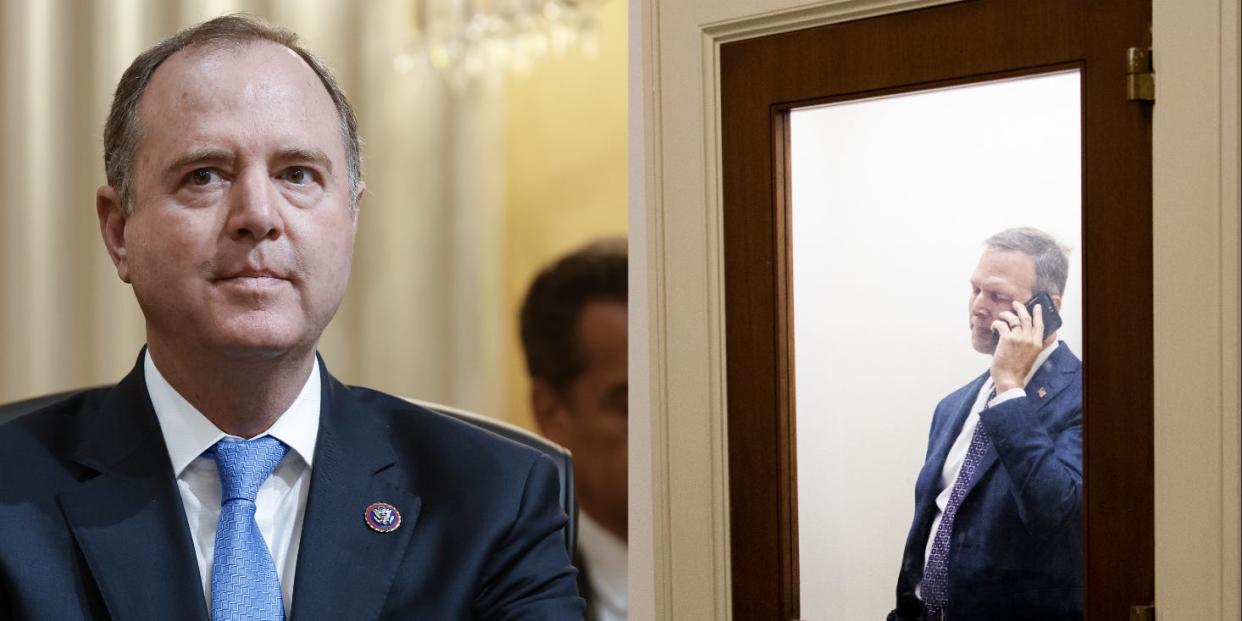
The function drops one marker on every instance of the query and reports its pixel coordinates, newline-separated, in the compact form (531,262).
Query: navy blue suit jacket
(1016,550)
(92,524)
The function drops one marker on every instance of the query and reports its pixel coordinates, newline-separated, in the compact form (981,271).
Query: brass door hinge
(1143,613)
(1140,81)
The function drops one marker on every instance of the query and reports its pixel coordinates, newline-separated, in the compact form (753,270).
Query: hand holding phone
(1051,317)
(1012,360)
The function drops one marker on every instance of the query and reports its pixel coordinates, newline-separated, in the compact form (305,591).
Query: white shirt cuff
(1012,393)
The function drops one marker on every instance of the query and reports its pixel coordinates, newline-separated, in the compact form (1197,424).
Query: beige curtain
(423,315)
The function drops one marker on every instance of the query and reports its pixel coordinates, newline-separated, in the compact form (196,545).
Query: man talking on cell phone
(997,531)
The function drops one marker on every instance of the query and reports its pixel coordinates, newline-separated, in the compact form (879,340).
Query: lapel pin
(1043,392)
(382,517)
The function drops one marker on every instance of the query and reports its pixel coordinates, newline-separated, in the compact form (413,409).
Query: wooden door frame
(762,79)
(679,548)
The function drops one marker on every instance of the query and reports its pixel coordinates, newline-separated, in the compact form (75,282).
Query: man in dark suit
(229,475)
(997,516)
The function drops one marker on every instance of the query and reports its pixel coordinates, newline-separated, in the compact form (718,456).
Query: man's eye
(202,176)
(299,175)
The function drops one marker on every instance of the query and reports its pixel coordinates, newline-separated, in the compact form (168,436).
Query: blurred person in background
(573,328)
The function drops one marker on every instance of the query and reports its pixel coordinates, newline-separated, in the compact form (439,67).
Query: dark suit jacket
(92,524)
(1016,550)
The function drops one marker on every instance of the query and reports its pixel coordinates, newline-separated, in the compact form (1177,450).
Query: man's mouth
(257,278)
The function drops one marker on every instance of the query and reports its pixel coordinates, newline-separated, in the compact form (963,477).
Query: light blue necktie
(935,587)
(244,584)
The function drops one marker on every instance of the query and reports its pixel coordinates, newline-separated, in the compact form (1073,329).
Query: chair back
(560,455)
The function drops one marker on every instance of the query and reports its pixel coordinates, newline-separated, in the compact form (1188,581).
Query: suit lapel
(944,441)
(985,463)
(1056,375)
(129,520)
(938,452)
(344,568)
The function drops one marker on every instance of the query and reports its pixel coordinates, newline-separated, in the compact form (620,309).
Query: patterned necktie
(935,587)
(244,584)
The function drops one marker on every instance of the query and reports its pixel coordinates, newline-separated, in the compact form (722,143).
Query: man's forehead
(230,50)
(204,68)
(212,87)
(602,329)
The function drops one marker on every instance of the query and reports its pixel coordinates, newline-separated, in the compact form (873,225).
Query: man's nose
(253,208)
(978,305)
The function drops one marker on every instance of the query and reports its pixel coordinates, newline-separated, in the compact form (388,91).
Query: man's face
(242,231)
(591,418)
(1001,277)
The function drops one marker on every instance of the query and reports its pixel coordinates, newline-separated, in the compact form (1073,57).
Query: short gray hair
(1051,258)
(123,130)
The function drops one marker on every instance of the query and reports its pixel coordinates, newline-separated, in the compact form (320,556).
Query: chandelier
(465,39)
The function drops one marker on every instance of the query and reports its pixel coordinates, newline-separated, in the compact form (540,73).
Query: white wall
(1197,156)
(892,199)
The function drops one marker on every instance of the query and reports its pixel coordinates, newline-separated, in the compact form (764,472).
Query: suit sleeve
(1043,460)
(529,576)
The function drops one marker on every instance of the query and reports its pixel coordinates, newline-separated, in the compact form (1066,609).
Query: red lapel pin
(1043,392)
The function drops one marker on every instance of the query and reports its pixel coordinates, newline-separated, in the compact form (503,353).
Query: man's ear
(357,203)
(112,220)
(551,415)
(1056,301)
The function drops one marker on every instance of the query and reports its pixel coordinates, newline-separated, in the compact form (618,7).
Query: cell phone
(1052,318)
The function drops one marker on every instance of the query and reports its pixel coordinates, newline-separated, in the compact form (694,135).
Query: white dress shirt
(961,446)
(281,502)
(606,559)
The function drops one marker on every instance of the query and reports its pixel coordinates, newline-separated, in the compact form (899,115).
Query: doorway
(763,81)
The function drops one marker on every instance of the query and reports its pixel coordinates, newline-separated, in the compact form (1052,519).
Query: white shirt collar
(1039,361)
(605,555)
(187,433)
